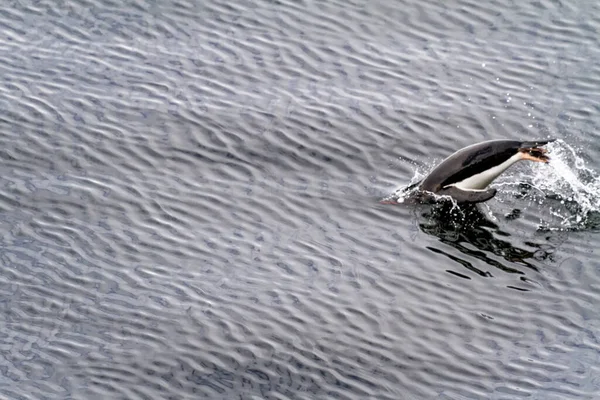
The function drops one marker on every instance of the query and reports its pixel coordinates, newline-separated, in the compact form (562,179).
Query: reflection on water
(470,231)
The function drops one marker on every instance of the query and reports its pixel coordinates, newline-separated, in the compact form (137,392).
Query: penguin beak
(536,154)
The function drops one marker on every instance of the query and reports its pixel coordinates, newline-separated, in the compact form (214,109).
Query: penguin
(465,175)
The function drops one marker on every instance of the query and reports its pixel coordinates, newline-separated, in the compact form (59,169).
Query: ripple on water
(189,201)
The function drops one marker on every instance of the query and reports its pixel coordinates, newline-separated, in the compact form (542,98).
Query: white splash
(572,182)
(568,189)
(404,192)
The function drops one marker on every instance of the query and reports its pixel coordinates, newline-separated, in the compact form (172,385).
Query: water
(190,201)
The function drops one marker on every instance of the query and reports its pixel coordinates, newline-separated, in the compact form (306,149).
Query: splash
(404,193)
(568,189)
(410,193)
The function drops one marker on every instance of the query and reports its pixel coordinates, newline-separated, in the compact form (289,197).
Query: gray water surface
(189,204)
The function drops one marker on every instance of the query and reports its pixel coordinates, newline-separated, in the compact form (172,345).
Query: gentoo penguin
(466,174)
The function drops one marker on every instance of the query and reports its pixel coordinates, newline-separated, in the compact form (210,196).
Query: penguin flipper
(467,196)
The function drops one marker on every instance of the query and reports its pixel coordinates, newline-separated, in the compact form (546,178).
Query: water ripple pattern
(189,204)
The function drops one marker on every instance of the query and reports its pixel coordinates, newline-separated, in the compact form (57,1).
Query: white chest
(483,179)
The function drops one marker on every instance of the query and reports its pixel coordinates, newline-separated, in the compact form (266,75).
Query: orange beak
(535,154)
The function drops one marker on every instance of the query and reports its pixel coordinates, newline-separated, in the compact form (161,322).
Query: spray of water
(571,189)
(565,192)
